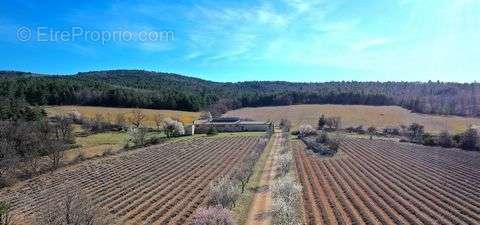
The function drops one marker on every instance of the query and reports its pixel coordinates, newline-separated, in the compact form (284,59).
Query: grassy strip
(242,207)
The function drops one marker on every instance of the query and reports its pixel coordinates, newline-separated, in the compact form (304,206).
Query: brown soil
(260,209)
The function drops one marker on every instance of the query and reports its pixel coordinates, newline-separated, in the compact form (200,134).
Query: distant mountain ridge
(147,89)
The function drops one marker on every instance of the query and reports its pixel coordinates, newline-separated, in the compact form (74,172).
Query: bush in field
(98,124)
(322,122)
(306,130)
(427,139)
(334,142)
(469,139)
(137,135)
(391,131)
(372,131)
(287,189)
(359,130)
(415,132)
(286,200)
(285,124)
(322,138)
(223,192)
(445,139)
(333,123)
(283,213)
(173,128)
(213,215)
(212,131)
(284,163)
(74,208)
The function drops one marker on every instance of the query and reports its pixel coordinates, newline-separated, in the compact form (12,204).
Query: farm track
(161,184)
(382,182)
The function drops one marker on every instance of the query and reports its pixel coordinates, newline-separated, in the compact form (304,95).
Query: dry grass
(354,115)
(96,145)
(111,113)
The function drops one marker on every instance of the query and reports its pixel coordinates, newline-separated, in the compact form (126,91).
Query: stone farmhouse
(231,124)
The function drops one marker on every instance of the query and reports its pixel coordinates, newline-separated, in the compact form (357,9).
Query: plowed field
(381,182)
(162,184)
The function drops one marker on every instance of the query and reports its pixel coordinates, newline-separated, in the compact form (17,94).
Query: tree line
(144,89)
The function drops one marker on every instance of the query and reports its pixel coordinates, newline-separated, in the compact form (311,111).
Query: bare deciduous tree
(137,118)
(284,163)
(213,215)
(371,131)
(158,121)
(223,192)
(74,209)
(242,175)
(55,152)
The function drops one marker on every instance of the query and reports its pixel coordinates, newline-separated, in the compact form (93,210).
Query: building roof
(225,120)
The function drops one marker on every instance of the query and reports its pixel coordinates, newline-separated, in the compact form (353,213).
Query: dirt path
(260,213)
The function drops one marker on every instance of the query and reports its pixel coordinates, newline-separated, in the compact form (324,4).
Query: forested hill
(138,88)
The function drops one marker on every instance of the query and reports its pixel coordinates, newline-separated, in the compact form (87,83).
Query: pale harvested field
(111,113)
(355,115)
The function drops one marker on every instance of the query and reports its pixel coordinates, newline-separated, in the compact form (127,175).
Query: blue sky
(294,40)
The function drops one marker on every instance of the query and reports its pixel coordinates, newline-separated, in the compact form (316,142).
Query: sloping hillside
(146,89)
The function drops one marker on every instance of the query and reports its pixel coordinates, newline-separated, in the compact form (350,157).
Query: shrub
(283,213)
(223,192)
(350,129)
(469,139)
(306,130)
(334,142)
(445,139)
(173,128)
(322,122)
(295,132)
(359,130)
(155,140)
(322,138)
(137,135)
(213,215)
(391,131)
(284,163)
(372,131)
(287,189)
(427,139)
(285,124)
(333,123)
(416,131)
(212,131)
(286,195)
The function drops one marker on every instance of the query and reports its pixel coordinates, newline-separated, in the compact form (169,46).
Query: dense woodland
(144,89)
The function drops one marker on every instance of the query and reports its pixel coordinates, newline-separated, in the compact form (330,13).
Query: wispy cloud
(369,43)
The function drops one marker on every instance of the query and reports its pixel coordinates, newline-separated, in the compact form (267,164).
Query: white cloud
(369,43)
